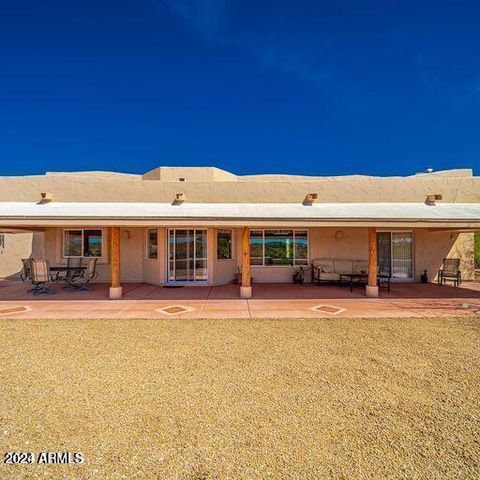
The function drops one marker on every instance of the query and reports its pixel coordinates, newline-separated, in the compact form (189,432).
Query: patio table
(383,279)
(353,279)
(361,279)
(64,268)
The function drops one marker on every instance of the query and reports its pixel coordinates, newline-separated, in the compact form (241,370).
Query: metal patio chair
(73,270)
(83,279)
(41,277)
(450,271)
(26,275)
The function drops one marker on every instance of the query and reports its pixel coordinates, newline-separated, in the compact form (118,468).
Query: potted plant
(424,277)
(237,278)
(299,276)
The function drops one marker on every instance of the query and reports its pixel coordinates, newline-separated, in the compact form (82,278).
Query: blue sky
(309,87)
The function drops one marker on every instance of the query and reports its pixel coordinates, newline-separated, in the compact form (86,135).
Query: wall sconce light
(179,198)
(338,235)
(126,234)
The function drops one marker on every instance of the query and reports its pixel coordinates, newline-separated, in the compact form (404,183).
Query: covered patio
(142,300)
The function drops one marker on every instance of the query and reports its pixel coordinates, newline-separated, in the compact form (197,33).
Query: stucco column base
(371,291)
(246,292)
(115,293)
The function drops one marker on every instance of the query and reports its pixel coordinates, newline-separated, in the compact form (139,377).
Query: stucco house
(203,225)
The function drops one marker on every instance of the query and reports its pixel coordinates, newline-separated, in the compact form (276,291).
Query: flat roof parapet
(189,174)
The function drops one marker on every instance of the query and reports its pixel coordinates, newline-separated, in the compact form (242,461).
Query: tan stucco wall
(154,271)
(225,270)
(464,248)
(454,186)
(189,174)
(18,246)
(132,254)
(432,247)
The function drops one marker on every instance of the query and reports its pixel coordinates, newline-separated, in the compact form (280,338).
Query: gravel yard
(243,399)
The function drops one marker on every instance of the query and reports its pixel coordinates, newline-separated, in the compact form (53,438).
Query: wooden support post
(246,288)
(372,287)
(115,289)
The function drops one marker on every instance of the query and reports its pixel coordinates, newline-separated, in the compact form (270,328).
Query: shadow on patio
(11,291)
(269,301)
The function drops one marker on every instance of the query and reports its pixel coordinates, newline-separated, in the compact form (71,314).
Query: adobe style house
(200,226)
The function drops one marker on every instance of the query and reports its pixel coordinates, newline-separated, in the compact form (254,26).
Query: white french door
(395,254)
(187,255)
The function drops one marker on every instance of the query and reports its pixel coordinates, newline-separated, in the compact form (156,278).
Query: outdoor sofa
(328,270)
(337,270)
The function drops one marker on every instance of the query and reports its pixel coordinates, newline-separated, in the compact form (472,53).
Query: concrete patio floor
(269,301)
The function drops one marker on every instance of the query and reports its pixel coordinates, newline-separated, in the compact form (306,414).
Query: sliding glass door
(395,254)
(187,255)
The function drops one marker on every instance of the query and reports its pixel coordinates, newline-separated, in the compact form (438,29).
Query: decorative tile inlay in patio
(174,309)
(11,310)
(270,301)
(473,307)
(331,309)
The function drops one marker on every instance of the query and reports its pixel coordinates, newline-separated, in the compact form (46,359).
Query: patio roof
(454,215)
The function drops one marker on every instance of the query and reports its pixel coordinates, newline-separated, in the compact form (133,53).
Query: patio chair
(384,280)
(26,274)
(41,277)
(73,271)
(450,271)
(87,275)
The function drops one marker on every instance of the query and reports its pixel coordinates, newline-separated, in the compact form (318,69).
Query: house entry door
(187,255)
(395,254)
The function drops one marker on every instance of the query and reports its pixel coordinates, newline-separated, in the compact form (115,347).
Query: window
(256,247)
(82,243)
(301,247)
(224,244)
(152,243)
(278,247)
